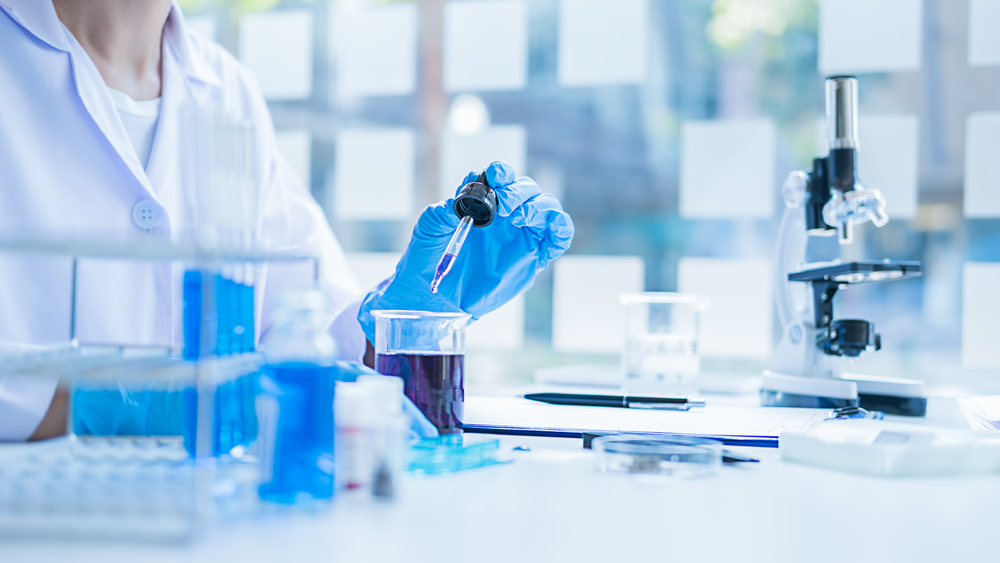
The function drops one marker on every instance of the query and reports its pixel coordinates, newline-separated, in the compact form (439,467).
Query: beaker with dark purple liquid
(427,350)
(434,382)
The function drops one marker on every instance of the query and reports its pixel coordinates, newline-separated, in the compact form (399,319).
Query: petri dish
(674,457)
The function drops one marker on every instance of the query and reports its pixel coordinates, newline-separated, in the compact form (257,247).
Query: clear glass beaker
(661,343)
(427,350)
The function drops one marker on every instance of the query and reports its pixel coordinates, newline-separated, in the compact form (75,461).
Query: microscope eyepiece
(842,112)
(850,202)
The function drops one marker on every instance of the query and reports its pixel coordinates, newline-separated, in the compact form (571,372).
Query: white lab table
(550,504)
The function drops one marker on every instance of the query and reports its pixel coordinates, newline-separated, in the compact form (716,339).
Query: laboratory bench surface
(551,504)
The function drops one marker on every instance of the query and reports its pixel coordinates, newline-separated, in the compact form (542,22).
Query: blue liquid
(302,464)
(235,419)
(192,315)
(233,316)
(247,315)
(442,270)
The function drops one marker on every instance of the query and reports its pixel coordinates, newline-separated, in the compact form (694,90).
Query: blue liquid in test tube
(451,252)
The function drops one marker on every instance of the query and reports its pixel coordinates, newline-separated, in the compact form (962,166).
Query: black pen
(661,403)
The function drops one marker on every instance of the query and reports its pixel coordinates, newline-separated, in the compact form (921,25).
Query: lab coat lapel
(39,17)
(162,169)
(94,94)
(185,83)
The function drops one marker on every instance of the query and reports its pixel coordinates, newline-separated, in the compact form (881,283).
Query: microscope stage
(859,272)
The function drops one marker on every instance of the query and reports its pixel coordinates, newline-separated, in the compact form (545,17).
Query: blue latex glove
(496,263)
(132,408)
(111,412)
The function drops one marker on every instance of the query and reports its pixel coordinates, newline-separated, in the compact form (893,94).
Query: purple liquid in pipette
(451,251)
(442,269)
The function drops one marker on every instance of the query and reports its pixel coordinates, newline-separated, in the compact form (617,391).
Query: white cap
(354,405)
(386,392)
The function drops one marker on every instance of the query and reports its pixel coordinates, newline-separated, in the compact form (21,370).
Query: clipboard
(733,426)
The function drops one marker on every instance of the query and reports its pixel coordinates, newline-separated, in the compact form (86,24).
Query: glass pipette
(476,204)
(451,251)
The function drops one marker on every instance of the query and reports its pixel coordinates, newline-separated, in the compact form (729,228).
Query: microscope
(807,367)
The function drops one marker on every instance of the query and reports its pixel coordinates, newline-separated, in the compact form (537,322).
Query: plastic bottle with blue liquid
(295,407)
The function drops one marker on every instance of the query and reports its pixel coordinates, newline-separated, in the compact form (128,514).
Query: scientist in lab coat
(90,141)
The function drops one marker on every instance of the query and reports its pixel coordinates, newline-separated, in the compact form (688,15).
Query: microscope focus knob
(849,337)
(794,188)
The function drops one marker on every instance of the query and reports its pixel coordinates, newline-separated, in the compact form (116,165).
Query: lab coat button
(147,214)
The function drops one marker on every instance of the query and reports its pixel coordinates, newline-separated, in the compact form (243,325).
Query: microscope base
(890,395)
(781,390)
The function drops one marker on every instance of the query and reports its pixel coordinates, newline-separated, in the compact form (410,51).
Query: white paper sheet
(201,25)
(984,40)
(374,172)
(739,323)
(725,421)
(857,36)
(587,316)
(500,330)
(296,147)
(375,49)
(475,63)
(980,311)
(278,48)
(982,167)
(370,268)
(603,42)
(727,169)
(461,154)
(982,412)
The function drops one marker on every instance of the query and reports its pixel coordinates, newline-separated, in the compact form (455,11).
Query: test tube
(475,205)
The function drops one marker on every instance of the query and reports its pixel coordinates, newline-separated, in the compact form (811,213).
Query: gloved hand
(133,408)
(497,262)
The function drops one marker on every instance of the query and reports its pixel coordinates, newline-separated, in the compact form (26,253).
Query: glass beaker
(661,343)
(427,350)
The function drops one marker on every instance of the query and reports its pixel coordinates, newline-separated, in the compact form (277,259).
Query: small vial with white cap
(355,419)
(389,444)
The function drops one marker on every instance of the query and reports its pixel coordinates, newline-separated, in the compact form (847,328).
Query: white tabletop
(550,504)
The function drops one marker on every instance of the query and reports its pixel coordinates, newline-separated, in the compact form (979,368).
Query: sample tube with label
(355,414)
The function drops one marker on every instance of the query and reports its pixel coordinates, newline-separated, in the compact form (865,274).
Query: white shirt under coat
(68,169)
(139,119)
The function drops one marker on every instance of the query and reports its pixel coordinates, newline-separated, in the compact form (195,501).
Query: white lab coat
(67,168)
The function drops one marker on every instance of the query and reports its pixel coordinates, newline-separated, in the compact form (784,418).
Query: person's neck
(123,38)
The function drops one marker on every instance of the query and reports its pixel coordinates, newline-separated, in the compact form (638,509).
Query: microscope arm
(793,239)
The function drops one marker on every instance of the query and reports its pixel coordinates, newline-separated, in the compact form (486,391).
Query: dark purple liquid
(434,382)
